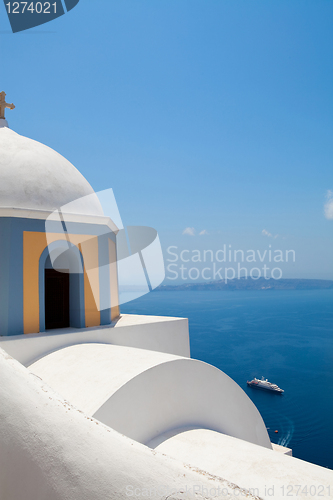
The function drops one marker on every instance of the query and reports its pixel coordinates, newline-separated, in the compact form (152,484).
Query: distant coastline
(251,284)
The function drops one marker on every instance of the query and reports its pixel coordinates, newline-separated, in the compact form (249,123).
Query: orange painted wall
(89,250)
(34,244)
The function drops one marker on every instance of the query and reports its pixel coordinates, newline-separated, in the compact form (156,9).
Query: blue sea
(286,336)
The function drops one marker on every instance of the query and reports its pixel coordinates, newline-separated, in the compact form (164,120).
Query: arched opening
(61,287)
(56,299)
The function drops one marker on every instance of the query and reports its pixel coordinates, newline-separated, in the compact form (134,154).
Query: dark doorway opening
(56,299)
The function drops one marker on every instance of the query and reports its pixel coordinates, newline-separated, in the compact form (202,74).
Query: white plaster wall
(247,464)
(282,449)
(143,394)
(181,393)
(23,213)
(156,333)
(51,451)
(88,374)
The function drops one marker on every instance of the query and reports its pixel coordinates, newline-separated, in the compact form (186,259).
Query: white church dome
(34,176)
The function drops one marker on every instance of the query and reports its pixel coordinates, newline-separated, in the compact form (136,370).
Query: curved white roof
(109,381)
(34,176)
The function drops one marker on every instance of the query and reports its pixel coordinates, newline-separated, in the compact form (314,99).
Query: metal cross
(4,105)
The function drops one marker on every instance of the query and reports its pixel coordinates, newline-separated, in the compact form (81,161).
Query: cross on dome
(4,105)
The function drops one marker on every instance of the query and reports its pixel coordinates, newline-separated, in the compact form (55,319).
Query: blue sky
(212,115)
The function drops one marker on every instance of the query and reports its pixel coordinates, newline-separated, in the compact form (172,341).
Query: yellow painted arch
(34,243)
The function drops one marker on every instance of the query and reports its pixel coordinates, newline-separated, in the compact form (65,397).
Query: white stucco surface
(49,450)
(143,394)
(247,464)
(23,213)
(34,176)
(88,374)
(156,333)
(181,393)
(282,449)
